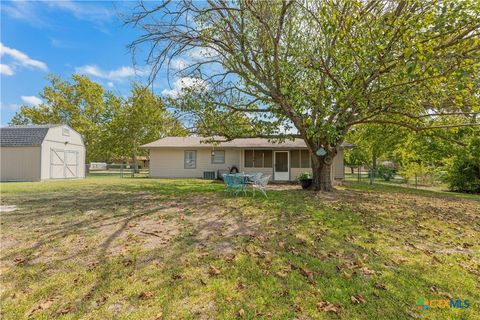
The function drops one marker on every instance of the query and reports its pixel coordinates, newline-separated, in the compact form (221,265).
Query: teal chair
(234,183)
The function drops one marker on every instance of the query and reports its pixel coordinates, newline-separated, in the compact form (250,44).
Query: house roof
(197,142)
(24,135)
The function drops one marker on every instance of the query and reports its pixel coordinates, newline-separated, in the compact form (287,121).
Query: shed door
(63,164)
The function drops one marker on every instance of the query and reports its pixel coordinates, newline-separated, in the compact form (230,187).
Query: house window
(300,159)
(190,159)
(65,132)
(258,158)
(218,156)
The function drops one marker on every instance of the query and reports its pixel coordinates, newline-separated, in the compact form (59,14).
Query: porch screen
(300,159)
(258,158)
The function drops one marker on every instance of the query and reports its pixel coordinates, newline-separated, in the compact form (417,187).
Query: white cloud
(178,64)
(201,54)
(32,100)
(21,58)
(110,84)
(6,70)
(184,83)
(112,75)
(36,12)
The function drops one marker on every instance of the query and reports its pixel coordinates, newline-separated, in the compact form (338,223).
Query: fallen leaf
(446,295)
(45,304)
(380,286)
(281,274)
(145,295)
(213,271)
(241,286)
(326,306)
(241,313)
(308,274)
(357,299)
(18,260)
(367,271)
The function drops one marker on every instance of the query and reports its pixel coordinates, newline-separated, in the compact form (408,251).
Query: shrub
(386,173)
(463,170)
(304,176)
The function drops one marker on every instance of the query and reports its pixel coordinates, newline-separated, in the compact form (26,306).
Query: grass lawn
(111,248)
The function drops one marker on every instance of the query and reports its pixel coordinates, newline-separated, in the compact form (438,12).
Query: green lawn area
(111,248)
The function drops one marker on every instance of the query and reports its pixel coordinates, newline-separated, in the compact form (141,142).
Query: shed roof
(24,135)
(199,142)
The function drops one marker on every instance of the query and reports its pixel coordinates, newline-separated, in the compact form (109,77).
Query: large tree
(315,69)
(111,127)
(81,103)
(140,119)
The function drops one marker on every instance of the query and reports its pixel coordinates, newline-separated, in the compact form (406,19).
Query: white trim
(281,176)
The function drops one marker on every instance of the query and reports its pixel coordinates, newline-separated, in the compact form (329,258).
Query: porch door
(281,166)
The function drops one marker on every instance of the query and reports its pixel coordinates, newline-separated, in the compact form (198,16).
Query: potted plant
(305,180)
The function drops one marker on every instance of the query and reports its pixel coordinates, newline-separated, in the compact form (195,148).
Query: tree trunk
(321,177)
(134,164)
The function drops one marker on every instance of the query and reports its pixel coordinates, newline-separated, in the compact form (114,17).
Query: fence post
(416,181)
(358,173)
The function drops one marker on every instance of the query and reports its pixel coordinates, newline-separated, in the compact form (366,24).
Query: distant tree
(317,69)
(82,104)
(463,169)
(140,119)
(111,128)
(374,141)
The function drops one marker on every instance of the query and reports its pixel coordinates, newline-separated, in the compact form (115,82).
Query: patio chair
(261,185)
(234,183)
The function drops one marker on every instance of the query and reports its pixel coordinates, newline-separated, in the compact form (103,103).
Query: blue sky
(65,37)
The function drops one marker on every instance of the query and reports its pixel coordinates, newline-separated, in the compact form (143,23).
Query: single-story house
(190,157)
(41,152)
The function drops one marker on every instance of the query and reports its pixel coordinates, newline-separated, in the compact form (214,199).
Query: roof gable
(24,135)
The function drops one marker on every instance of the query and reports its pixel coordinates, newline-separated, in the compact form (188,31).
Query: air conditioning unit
(209,175)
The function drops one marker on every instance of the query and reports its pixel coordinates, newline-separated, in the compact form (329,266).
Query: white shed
(41,152)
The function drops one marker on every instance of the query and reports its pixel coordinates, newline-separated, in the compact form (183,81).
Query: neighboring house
(189,157)
(41,152)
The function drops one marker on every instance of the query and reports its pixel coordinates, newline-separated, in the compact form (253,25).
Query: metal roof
(24,135)
(199,142)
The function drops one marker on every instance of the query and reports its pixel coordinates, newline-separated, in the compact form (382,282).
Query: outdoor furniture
(261,184)
(234,183)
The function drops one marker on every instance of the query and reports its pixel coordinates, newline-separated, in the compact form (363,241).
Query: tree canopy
(316,69)
(112,128)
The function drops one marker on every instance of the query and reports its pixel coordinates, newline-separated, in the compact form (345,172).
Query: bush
(304,176)
(463,170)
(386,173)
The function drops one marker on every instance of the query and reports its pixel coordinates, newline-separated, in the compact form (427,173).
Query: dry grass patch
(167,249)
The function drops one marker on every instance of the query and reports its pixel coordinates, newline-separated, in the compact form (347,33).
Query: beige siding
(55,139)
(338,167)
(169,162)
(20,163)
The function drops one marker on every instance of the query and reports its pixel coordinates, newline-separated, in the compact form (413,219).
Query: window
(190,159)
(258,158)
(295,158)
(305,159)
(65,132)
(300,159)
(218,156)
